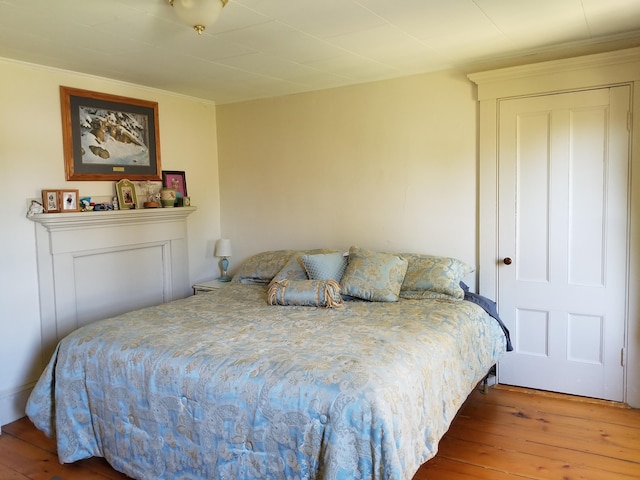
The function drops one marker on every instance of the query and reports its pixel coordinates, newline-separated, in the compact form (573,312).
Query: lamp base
(224,263)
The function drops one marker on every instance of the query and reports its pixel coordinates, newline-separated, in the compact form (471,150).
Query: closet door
(563,201)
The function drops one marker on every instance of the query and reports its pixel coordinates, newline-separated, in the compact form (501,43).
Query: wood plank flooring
(508,434)
(516,433)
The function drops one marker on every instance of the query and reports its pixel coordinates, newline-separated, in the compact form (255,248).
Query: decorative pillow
(262,267)
(325,266)
(430,276)
(294,269)
(373,276)
(425,294)
(307,293)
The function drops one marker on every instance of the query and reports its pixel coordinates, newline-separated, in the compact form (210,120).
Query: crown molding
(556,75)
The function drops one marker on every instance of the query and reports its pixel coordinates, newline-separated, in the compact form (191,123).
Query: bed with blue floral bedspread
(224,385)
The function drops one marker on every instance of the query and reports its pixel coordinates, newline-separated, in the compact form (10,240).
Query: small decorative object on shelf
(183,202)
(223,249)
(168,197)
(153,196)
(86,204)
(35,208)
(102,207)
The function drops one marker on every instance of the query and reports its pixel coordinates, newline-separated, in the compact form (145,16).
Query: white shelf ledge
(81,220)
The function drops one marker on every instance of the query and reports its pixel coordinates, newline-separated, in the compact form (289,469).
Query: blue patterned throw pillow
(373,276)
(325,266)
(294,268)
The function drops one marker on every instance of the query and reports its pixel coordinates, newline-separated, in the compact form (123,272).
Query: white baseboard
(13,403)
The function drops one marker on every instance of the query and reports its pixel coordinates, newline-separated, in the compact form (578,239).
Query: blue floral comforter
(224,386)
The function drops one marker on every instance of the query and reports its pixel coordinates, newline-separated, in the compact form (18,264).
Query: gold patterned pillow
(263,266)
(373,275)
(430,276)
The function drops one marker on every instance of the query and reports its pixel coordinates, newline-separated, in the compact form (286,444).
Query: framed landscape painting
(108,137)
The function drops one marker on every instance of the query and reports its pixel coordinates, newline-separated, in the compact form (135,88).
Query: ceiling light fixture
(198,14)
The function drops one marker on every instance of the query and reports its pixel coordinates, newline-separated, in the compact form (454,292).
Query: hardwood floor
(517,433)
(506,435)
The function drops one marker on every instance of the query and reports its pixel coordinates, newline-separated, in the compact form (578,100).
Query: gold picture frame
(126,193)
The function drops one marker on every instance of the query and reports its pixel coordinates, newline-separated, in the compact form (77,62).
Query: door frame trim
(558,76)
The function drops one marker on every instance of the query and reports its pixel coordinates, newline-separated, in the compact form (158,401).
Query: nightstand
(208,286)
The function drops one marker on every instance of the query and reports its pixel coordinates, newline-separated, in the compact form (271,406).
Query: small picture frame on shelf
(126,193)
(175,179)
(69,201)
(50,201)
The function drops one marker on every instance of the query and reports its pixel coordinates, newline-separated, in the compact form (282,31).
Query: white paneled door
(563,240)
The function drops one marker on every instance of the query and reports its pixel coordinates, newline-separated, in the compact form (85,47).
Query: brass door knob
(507,261)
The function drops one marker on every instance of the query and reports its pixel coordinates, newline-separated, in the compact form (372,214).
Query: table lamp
(223,249)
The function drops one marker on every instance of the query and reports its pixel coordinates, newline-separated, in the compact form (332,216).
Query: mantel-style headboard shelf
(79,220)
(94,265)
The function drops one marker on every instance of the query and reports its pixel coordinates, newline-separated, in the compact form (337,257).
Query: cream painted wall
(31,159)
(388,165)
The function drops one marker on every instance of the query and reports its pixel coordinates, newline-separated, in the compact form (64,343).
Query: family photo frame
(109,137)
(50,202)
(175,179)
(60,201)
(126,193)
(69,201)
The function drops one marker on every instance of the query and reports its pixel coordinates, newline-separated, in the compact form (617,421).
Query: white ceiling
(266,48)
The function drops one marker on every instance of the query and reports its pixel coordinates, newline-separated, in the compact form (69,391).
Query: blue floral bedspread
(222,385)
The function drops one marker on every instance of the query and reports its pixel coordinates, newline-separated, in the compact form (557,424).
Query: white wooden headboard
(94,265)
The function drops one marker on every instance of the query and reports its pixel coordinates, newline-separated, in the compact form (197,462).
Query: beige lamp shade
(223,248)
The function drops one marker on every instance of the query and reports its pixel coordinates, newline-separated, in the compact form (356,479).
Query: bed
(268,378)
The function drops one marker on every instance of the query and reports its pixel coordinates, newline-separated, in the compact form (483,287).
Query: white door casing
(563,166)
(572,74)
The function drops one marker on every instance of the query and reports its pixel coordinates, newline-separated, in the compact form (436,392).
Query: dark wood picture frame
(175,179)
(109,137)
